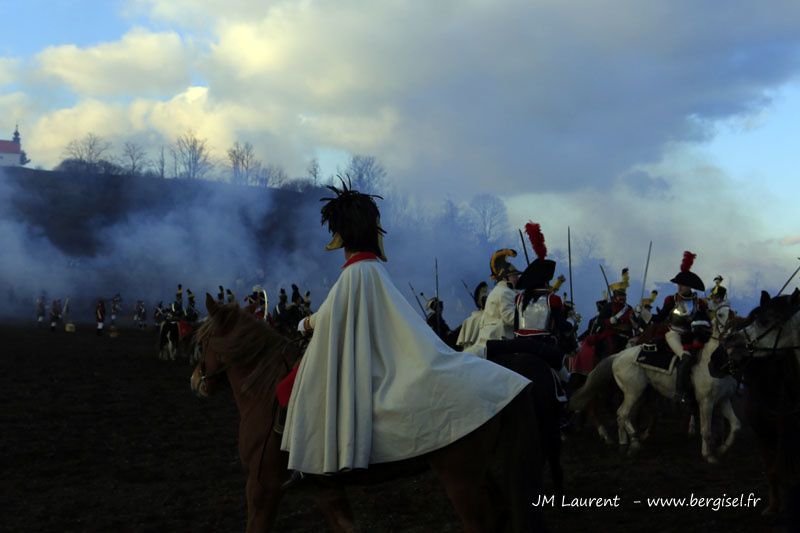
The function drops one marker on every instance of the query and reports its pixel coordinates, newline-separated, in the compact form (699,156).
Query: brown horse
(254,357)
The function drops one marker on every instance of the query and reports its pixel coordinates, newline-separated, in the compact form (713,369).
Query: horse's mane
(249,341)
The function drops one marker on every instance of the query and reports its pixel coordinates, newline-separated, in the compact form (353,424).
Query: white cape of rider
(376,384)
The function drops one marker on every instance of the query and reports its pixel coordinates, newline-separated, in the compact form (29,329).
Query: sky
(628,122)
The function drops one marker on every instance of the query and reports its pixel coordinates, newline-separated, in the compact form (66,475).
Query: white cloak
(376,384)
(468,334)
(497,321)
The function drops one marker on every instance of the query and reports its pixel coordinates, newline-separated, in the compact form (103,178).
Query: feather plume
(688,261)
(534,232)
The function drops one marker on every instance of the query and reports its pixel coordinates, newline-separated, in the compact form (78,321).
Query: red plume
(534,232)
(688,261)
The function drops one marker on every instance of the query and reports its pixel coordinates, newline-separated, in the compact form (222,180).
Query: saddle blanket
(657,357)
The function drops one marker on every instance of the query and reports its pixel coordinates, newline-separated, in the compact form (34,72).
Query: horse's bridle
(751,344)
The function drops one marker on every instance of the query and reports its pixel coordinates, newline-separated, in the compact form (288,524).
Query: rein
(751,347)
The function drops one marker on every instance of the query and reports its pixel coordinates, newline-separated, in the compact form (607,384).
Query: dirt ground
(99,435)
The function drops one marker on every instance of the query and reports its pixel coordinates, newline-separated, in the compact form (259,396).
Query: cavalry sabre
(569,258)
(524,248)
(646,266)
(414,292)
(788,280)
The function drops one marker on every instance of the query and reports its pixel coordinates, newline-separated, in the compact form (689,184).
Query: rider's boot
(683,382)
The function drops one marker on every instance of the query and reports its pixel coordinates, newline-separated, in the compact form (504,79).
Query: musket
(608,287)
(438,315)
(524,247)
(788,280)
(646,266)
(569,259)
(414,292)
(466,288)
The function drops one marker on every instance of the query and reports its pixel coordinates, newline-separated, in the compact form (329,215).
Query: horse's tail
(596,382)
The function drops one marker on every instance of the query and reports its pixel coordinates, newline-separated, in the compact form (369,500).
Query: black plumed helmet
(353,218)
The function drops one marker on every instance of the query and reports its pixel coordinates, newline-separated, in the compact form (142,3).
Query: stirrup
(296,479)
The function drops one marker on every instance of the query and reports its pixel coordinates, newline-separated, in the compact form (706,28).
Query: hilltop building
(11,152)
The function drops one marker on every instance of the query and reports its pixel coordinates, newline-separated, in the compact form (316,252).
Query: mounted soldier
(689,326)
(615,322)
(372,367)
(258,301)
(643,313)
(470,328)
(497,321)
(191,313)
(719,308)
(434,311)
(540,315)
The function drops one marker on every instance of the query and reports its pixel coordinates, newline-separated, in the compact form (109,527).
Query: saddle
(657,356)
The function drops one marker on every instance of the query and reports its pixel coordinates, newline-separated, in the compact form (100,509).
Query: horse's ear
(211,304)
(765,298)
(796,296)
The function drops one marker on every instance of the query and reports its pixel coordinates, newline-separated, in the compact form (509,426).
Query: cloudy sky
(672,121)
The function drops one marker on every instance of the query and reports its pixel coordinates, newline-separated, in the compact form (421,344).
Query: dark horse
(253,358)
(764,352)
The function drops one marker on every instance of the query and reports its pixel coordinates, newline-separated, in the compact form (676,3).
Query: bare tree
(161,163)
(270,175)
(314,171)
(275,176)
(367,174)
(586,246)
(490,217)
(134,158)
(88,150)
(243,162)
(192,156)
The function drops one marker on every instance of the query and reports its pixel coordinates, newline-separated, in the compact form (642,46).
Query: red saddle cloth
(284,389)
(184,328)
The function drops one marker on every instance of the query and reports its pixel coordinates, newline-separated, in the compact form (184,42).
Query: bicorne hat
(686,277)
(541,270)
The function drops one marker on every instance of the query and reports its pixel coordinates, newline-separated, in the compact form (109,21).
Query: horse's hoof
(712,460)
(722,450)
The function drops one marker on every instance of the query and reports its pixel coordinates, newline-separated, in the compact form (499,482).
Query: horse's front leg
(706,409)
(626,427)
(733,423)
(264,485)
(332,501)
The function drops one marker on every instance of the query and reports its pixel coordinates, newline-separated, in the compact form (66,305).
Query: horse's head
(221,321)
(767,330)
(770,326)
(234,338)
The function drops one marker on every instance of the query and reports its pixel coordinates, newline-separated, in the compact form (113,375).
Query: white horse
(633,379)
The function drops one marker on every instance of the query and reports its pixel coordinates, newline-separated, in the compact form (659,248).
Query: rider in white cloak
(471,327)
(376,384)
(497,322)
